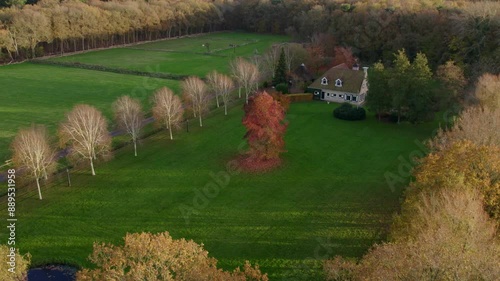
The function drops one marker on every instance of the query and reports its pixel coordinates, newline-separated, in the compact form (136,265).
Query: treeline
(53,26)
(410,91)
(463,31)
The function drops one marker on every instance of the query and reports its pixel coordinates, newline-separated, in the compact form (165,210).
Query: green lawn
(329,198)
(218,42)
(187,58)
(40,94)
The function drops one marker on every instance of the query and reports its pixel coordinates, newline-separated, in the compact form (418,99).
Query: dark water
(52,273)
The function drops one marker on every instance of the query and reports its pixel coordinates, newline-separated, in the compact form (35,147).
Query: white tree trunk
(38,185)
(217,99)
(201,122)
(135,147)
(92,166)
(225,109)
(239,92)
(170,130)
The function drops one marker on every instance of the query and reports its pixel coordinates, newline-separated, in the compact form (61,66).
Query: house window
(338,83)
(334,95)
(316,93)
(327,94)
(341,96)
(354,98)
(348,97)
(324,81)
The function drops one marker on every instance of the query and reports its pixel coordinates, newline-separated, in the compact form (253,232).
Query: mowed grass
(218,42)
(329,198)
(40,94)
(182,56)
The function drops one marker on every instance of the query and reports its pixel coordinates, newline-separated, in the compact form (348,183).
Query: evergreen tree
(420,95)
(399,82)
(280,71)
(378,98)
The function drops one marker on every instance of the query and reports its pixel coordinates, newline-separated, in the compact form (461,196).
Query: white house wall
(340,97)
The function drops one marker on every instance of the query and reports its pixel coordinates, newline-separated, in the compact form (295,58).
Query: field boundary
(116,70)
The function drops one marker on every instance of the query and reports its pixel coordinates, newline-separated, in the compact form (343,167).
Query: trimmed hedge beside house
(300,97)
(348,112)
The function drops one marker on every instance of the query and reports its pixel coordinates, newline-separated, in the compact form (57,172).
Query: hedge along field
(43,94)
(329,198)
(182,56)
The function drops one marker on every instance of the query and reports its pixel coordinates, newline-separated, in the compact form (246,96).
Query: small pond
(52,273)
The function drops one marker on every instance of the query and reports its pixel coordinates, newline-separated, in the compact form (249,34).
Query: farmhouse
(341,84)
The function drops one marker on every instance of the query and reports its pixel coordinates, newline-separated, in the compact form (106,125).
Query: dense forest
(467,32)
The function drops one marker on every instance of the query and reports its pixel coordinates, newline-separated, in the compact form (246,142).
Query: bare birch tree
(289,56)
(271,59)
(223,86)
(129,117)
(85,133)
(33,154)
(167,109)
(250,78)
(211,81)
(196,91)
(236,71)
(246,74)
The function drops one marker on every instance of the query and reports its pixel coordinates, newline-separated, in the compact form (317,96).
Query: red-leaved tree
(264,120)
(343,55)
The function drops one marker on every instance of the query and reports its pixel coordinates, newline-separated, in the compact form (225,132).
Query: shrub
(22,263)
(282,87)
(348,112)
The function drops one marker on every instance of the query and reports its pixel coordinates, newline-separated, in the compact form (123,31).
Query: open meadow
(42,94)
(184,56)
(329,198)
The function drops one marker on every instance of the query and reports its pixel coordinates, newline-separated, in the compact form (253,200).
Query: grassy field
(184,56)
(43,94)
(329,198)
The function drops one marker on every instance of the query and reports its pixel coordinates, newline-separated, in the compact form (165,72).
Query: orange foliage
(463,164)
(265,130)
(284,100)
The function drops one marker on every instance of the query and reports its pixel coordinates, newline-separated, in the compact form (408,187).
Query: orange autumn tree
(264,120)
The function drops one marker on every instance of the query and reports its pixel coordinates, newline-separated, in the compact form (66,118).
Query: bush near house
(282,87)
(348,112)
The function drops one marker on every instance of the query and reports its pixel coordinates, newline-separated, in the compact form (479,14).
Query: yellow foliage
(22,263)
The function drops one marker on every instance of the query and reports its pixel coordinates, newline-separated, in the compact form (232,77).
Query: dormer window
(338,83)
(324,81)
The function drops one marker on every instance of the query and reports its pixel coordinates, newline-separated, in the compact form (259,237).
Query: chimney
(365,69)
